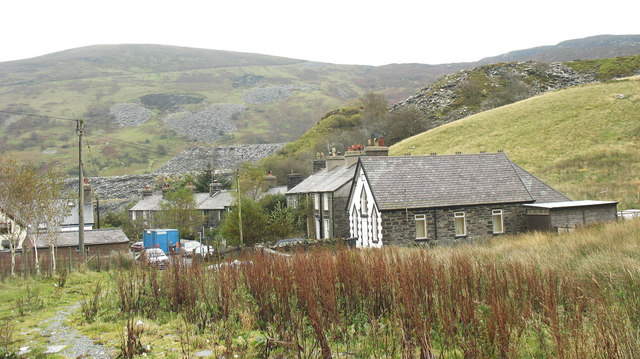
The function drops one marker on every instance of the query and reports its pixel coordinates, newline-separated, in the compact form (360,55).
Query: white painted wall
(359,226)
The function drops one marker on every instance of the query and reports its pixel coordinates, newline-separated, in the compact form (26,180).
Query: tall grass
(536,295)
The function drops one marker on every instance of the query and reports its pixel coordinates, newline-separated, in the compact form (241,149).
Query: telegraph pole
(79,130)
(239,206)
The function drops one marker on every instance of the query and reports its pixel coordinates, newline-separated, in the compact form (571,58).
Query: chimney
(146,192)
(214,187)
(293,179)
(190,187)
(270,181)
(334,161)
(166,188)
(352,154)
(87,189)
(377,149)
(319,163)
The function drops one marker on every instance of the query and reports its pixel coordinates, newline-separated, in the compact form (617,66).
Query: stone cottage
(404,200)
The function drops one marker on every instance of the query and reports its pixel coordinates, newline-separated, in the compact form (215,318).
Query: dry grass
(536,295)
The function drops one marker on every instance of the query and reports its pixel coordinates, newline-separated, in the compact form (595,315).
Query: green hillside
(279,99)
(585,141)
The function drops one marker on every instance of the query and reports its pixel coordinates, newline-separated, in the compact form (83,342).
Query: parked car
(137,247)
(156,257)
(187,247)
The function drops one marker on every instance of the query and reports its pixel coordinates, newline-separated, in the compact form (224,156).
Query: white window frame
(326,231)
(494,214)
(457,215)
(364,202)
(325,201)
(375,238)
(317,229)
(293,201)
(316,201)
(423,218)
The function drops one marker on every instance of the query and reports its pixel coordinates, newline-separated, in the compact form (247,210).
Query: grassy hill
(585,141)
(281,99)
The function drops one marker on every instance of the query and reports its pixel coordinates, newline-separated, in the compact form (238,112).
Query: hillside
(144,103)
(448,99)
(593,47)
(585,140)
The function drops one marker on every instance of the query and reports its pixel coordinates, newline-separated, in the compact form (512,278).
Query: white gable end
(364,216)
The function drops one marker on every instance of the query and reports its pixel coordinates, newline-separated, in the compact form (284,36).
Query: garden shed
(564,216)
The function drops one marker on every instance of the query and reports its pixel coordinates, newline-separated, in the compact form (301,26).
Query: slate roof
(325,181)
(91,238)
(220,200)
(72,218)
(443,181)
(539,190)
(204,201)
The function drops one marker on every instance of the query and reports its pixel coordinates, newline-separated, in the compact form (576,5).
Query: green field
(585,141)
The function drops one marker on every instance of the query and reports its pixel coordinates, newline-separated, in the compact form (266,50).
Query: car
(187,247)
(156,257)
(137,247)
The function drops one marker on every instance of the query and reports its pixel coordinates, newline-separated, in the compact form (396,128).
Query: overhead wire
(36,115)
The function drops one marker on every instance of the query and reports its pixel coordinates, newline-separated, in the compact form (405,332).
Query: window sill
(422,239)
(462,236)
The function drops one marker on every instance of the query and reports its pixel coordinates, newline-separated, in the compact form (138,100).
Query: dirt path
(67,341)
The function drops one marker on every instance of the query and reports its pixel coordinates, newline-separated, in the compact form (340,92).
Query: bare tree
(54,207)
(375,113)
(17,202)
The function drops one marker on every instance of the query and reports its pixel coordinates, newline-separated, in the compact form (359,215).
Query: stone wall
(399,226)
(340,217)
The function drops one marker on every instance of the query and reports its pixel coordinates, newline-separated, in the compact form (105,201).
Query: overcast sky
(338,31)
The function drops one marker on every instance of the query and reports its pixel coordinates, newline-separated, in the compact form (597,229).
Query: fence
(66,258)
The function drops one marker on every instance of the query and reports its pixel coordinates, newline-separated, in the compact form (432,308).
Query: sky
(335,31)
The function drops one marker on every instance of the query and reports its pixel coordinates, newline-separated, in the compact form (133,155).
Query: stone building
(327,190)
(212,205)
(405,200)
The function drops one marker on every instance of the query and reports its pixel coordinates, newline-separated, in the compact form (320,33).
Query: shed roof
(570,204)
(443,181)
(325,181)
(91,238)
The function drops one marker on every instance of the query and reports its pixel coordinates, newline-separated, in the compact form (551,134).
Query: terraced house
(327,191)
(405,200)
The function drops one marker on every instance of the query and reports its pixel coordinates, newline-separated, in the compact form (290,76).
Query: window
(498,223)
(325,202)
(374,226)
(326,228)
(5,228)
(460,225)
(356,224)
(421,226)
(363,202)
(317,223)
(293,201)
(316,201)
